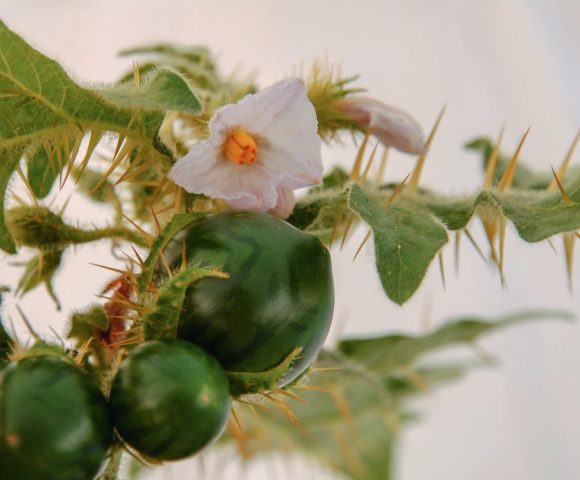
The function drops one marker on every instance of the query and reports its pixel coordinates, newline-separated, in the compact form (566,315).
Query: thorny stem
(84,236)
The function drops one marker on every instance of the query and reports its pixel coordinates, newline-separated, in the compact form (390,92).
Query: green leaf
(384,355)
(160,89)
(538,215)
(407,238)
(42,171)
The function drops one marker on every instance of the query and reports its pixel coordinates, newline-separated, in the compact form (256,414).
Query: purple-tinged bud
(393,127)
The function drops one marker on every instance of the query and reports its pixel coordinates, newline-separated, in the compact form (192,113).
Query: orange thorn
(397,191)
(354,174)
(566,162)
(565,197)
(362,244)
(94,139)
(382,167)
(492,162)
(474,243)
(414,183)
(569,244)
(508,176)
(502,226)
(369,164)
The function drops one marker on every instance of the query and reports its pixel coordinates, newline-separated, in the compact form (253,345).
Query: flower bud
(393,127)
(35,226)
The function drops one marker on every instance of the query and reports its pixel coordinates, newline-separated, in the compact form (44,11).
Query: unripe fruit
(169,399)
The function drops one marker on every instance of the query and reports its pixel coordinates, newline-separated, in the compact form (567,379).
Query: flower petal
(247,187)
(285,205)
(256,112)
(393,127)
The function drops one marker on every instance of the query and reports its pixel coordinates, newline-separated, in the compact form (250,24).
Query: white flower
(393,127)
(258,151)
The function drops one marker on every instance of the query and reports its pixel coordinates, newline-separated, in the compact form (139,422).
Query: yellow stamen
(240,147)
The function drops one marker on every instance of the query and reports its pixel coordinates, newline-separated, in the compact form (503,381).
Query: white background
(492,62)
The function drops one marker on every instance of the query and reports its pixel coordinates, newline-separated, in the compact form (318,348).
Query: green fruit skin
(54,422)
(279,295)
(169,399)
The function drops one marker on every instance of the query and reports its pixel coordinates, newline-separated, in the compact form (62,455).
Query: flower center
(240,147)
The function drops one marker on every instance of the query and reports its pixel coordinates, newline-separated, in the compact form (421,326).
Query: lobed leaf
(407,238)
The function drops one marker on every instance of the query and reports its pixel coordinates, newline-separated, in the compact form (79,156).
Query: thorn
(283,407)
(122,301)
(492,162)
(414,183)
(28,324)
(502,226)
(566,162)
(237,419)
(508,176)
(290,394)
(312,388)
(457,250)
(355,172)
(565,197)
(65,205)
(442,270)
(148,237)
(397,191)
(71,155)
(552,246)
(127,273)
(27,186)
(474,243)
(139,259)
(369,164)
(490,226)
(569,244)
(127,149)
(347,228)
(362,244)
(382,167)
(341,402)
(94,139)
(156,220)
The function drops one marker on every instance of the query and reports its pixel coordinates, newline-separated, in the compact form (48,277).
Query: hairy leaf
(384,355)
(160,89)
(407,238)
(40,103)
